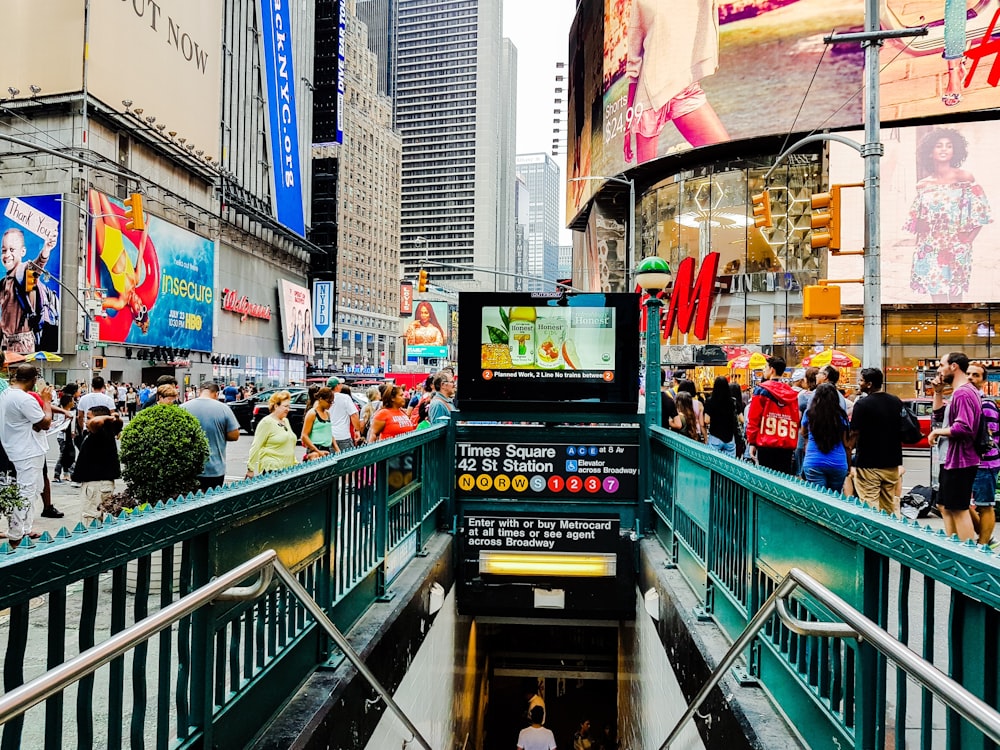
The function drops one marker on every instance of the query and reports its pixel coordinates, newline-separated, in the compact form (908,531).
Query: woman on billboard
(671,47)
(947,214)
(425,329)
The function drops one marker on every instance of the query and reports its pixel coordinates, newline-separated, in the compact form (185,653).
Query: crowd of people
(805,426)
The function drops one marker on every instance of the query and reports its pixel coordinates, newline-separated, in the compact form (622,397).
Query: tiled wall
(649,698)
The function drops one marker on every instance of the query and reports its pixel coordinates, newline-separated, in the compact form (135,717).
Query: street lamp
(630,248)
(653,275)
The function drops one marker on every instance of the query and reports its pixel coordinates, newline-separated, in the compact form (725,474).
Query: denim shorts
(984,487)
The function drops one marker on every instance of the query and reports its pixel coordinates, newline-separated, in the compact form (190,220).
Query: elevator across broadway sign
(548,532)
(547,470)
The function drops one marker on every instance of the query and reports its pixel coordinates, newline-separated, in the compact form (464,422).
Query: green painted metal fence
(345,526)
(734,530)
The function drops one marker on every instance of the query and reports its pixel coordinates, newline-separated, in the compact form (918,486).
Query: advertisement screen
(30,234)
(427,334)
(158,283)
(548,351)
(296,318)
(649,78)
(940,196)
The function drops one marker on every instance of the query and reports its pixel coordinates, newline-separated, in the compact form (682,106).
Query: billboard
(940,195)
(30,239)
(159,283)
(283,128)
(650,78)
(296,318)
(163,57)
(427,335)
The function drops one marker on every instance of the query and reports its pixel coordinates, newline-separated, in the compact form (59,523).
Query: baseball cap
(332,381)
(799,374)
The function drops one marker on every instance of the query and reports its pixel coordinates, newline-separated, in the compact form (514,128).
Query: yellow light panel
(595,565)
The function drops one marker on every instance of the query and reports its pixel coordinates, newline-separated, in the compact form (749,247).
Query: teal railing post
(381,523)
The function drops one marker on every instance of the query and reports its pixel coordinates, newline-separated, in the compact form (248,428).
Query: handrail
(853,624)
(221,588)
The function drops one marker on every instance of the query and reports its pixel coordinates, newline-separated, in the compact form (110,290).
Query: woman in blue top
(825,424)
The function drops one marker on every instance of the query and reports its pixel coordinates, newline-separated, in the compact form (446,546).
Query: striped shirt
(991,413)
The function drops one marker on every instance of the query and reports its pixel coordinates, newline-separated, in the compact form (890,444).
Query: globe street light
(653,276)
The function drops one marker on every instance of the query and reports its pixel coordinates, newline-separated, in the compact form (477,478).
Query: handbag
(909,426)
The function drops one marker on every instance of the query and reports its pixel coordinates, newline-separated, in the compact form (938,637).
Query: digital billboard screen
(427,334)
(549,352)
(294,302)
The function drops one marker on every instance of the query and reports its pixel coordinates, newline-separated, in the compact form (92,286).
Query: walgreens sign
(242,306)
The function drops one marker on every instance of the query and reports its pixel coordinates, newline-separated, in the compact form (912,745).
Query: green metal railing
(735,531)
(344,526)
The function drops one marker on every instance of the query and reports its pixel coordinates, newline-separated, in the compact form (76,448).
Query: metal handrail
(222,588)
(853,624)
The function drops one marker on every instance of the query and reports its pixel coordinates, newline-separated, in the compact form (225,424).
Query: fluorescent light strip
(595,565)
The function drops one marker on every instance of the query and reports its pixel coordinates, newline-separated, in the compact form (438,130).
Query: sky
(540,31)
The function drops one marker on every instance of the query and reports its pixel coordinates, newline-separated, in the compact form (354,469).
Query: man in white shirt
(96,397)
(23,421)
(343,415)
(536,737)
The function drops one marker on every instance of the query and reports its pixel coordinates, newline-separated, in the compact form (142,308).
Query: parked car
(297,412)
(922,407)
(244,408)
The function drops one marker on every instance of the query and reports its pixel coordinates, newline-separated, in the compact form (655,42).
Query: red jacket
(773,420)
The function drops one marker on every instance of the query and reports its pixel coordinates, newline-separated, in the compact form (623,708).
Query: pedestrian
(582,739)
(536,737)
(317,433)
(231,392)
(741,440)
(64,437)
(98,466)
(825,424)
(97,396)
(773,419)
(805,395)
(421,399)
(131,398)
(273,447)
(985,484)
(442,403)
(686,422)
(220,427)
(688,386)
(152,398)
(23,422)
(166,395)
(875,435)
(391,419)
(120,393)
(368,411)
(720,419)
(961,463)
(668,407)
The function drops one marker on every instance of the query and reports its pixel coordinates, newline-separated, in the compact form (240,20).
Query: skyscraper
(541,260)
(451,114)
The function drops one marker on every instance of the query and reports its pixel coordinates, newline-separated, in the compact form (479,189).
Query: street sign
(83,347)
(94,331)
(322,307)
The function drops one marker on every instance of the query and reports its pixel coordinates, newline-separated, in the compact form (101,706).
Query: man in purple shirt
(985,485)
(958,471)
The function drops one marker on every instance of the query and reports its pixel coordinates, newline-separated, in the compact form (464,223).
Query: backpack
(984,443)
(909,426)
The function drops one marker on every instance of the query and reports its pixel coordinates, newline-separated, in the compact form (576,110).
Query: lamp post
(630,246)
(653,275)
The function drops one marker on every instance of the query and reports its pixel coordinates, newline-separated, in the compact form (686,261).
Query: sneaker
(51,511)
(67,478)
(57,480)
(74,484)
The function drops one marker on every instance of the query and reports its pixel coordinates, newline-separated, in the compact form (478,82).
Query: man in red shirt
(773,419)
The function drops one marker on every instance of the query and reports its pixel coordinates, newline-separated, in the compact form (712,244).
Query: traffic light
(762,209)
(821,301)
(826,219)
(422,281)
(100,363)
(133,213)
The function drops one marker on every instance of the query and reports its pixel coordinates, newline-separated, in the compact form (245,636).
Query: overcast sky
(540,31)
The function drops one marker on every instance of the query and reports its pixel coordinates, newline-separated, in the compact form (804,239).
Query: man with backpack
(984,486)
(773,419)
(961,462)
(876,433)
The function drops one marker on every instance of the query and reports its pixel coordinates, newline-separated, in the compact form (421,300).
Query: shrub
(163,450)
(10,497)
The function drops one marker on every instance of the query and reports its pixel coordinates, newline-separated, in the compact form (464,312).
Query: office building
(542,175)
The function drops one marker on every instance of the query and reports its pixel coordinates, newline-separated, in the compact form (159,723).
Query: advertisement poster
(548,338)
(296,318)
(29,292)
(158,283)
(939,222)
(427,335)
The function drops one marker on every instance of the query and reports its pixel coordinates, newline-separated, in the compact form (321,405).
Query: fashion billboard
(163,57)
(940,194)
(650,78)
(295,303)
(283,127)
(30,239)
(427,335)
(158,283)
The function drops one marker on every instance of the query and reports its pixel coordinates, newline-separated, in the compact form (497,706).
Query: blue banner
(322,307)
(276,44)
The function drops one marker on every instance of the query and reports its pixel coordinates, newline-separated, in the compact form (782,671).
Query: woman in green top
(273,446)
(317,434)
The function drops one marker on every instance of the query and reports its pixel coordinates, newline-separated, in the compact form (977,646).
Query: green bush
(163,450)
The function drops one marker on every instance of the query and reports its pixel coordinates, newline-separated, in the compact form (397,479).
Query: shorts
(955,487)
(984,487)
(96,492)
(651,121)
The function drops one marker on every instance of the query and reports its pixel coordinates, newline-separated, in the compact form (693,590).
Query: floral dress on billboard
(942,262)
